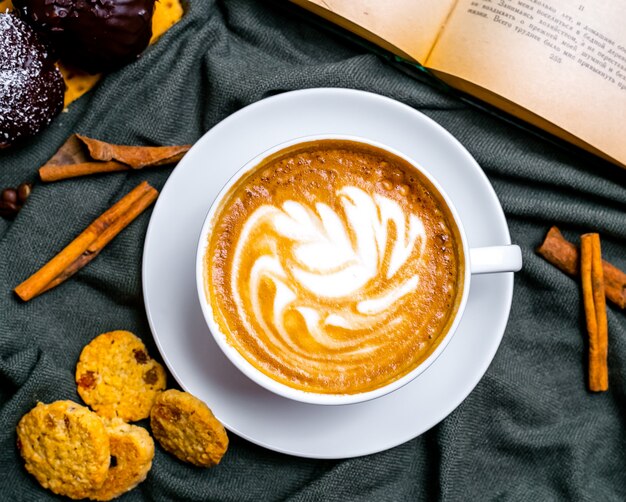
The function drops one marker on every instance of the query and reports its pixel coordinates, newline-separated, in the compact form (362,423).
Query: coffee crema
(334,267)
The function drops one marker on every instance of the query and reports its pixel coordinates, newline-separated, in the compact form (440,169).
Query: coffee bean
(9,206)
(8,209)
(23,191)
(9,195)
(12,199)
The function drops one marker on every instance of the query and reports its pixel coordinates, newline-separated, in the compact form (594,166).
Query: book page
(563,61)
(407,28)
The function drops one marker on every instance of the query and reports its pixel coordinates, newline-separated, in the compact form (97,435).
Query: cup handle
(490,260)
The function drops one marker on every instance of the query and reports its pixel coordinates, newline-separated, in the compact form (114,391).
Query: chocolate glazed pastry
(95,35)
(31,86)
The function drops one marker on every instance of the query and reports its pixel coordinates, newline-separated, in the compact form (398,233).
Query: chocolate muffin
(95,35)
(31,86)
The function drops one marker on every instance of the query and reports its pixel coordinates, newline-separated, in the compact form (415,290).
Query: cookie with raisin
(117,378)
(132,451)
(65,446)
(185,426)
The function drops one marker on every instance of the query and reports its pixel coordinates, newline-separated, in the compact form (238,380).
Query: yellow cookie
(185,426)
(65,446)
(132,450)
(117,378)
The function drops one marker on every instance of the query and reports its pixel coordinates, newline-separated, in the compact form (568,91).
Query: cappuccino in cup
(333,267)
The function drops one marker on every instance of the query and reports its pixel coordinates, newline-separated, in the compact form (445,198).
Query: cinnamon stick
(89,243)
(105,237)
(565,256)
(135,157)
(595,311)
(56,173)
(81,156)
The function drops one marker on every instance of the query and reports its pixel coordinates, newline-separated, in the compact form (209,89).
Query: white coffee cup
(484,260)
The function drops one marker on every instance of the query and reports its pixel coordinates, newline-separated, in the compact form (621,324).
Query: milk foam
(321,259)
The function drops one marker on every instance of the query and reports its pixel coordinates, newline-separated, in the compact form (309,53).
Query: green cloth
(529,431)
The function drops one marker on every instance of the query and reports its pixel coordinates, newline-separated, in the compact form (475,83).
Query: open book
(559,65)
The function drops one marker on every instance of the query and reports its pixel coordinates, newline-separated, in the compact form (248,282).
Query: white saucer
(199,365)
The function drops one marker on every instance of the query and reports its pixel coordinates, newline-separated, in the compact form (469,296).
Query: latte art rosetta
(333,269)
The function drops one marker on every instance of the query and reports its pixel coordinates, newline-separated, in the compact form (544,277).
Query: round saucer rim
(503,319)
